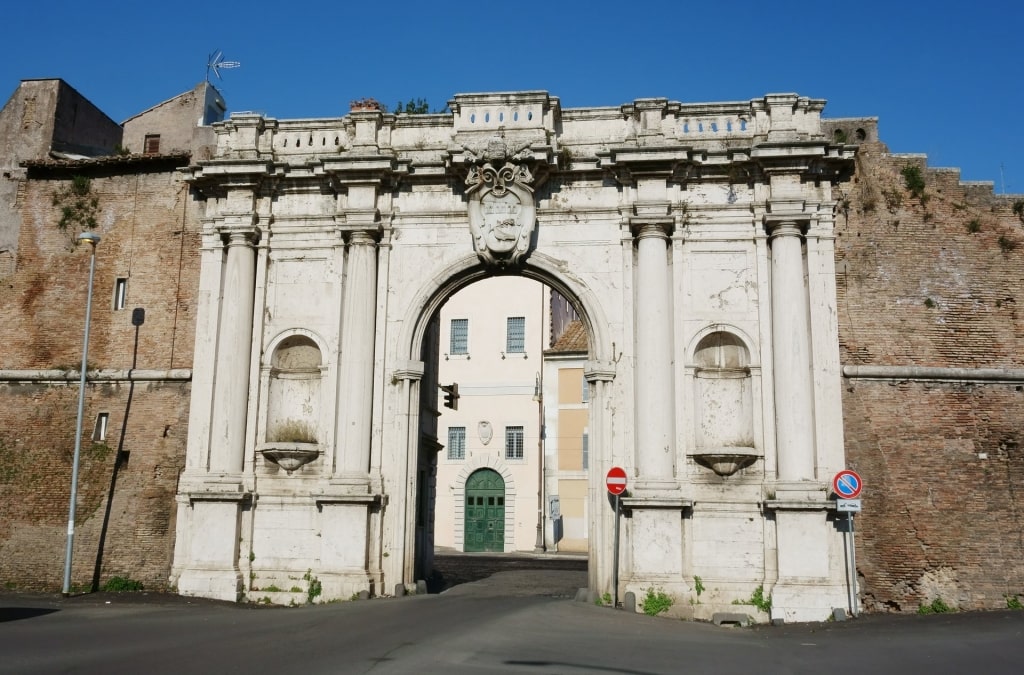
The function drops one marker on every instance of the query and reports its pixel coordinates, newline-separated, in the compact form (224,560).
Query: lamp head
(90,238)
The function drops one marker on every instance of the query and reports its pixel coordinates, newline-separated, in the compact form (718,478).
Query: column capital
(361,238)
(239,230)
(651,228)
(409,370)
(599,371)
(783,226)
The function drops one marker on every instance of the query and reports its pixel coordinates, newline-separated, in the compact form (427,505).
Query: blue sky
(944,78)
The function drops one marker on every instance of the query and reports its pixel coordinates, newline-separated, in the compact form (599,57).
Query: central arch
(420,395)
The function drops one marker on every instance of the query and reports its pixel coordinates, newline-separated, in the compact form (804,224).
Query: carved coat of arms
(502,212)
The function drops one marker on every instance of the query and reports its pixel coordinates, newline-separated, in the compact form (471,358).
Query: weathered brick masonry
(146,218)
(934,283)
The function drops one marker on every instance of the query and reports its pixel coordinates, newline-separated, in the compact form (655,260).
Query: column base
(797,602)
(811,566)
(656,551)
(216,584)
(208,534)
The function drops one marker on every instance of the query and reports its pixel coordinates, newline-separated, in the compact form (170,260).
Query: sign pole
(615,561)
(847,486)
(853,568)
(850,570)
(616,484)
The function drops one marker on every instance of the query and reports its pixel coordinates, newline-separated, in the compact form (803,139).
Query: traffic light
(451,395)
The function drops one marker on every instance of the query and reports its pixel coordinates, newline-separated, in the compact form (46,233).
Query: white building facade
(488,472)
(695,241)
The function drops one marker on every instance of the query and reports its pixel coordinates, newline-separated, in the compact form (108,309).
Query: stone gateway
(696,243)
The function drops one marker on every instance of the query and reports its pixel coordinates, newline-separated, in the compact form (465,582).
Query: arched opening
(517,350)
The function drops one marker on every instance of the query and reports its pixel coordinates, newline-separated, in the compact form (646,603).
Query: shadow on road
(546,575)
(19,613)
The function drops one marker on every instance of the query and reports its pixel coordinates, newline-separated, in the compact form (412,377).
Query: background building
(567,437)
(492,346)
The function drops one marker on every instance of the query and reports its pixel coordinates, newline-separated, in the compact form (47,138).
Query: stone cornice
(932,374)
(216,178)
(102,375)
(627,164)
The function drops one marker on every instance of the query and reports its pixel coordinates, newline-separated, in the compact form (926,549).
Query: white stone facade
(694,240)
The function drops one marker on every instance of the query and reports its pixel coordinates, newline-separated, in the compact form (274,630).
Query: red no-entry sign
(616,480)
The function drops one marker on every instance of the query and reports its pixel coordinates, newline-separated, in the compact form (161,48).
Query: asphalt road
(515,621)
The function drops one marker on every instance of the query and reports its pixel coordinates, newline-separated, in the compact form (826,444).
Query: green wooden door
(485,512)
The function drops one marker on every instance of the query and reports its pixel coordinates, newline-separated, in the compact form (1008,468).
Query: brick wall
(37,423)
(933,284)
(147,220)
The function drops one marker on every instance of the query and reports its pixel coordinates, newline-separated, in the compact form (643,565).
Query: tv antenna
(216,61)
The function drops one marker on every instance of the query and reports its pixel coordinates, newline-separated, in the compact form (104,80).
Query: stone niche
(724,404)
(293,403)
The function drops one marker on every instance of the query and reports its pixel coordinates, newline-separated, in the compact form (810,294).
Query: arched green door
(485,512)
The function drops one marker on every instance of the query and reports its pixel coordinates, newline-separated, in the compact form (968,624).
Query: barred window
(515,336)
(513,442)
(460,337)
(456,442)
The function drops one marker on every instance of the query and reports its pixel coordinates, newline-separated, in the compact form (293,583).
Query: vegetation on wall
(418,106)
(914,181)
(656,602)
(414,106)
(78,205)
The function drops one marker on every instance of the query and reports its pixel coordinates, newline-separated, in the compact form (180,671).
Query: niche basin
(726,461)
(290,456)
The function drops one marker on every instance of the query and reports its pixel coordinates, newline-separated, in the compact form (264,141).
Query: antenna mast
(215,61)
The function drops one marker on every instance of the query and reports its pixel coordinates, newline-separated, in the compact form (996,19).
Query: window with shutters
(515,335)
(456,442)
(459,337)
(513,442)
(151,145)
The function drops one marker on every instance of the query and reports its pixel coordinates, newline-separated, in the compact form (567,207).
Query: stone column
(234,346)
(355,378)
(655,453)
(791,331)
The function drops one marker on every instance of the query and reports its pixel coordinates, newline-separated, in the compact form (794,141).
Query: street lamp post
(90,239)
